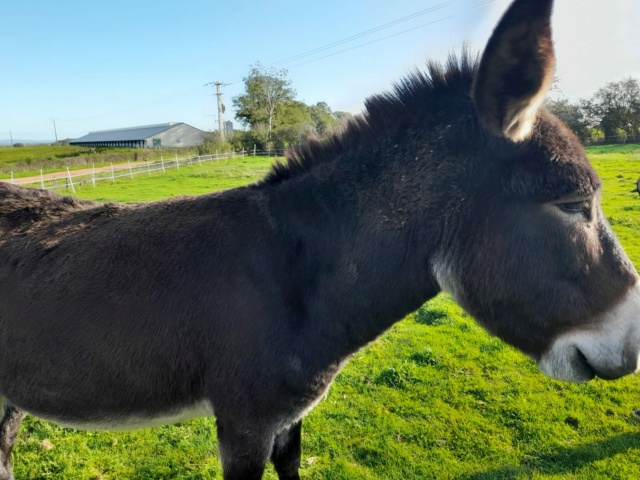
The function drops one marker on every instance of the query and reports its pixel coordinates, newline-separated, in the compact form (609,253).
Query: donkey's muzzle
(608,347)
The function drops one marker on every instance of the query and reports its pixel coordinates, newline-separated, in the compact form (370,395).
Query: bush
(18,144)
(213,142)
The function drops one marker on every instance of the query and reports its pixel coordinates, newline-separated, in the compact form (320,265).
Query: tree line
(611,115)
(275,119)
(272,116)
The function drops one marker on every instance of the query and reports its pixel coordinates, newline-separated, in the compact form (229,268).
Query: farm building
(174,134)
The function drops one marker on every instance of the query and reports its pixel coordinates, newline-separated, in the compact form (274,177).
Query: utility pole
(221,108)
(55,131)
(11,136)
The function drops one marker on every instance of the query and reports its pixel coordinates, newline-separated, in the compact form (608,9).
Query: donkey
(245,304)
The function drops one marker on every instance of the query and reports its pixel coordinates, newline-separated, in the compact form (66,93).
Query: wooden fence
(70,179)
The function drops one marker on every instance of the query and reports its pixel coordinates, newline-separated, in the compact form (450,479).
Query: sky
(91,66)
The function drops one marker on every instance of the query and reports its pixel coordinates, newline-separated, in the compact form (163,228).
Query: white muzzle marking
(609,349)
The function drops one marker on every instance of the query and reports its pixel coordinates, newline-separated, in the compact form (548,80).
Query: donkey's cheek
(610,349)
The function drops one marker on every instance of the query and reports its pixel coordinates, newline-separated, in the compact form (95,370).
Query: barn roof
(127,134)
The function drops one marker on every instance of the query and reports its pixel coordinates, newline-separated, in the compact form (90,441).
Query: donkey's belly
(133,421)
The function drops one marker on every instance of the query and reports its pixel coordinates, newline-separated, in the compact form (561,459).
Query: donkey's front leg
(244,452)
(286,452)
(9,426)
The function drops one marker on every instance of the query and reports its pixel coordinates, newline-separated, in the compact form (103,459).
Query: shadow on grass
(563,460)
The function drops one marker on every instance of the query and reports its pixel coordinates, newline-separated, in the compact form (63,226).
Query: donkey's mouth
(610,349)
(566,363)
(604,375)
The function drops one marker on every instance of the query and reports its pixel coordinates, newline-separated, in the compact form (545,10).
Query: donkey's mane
(420,95)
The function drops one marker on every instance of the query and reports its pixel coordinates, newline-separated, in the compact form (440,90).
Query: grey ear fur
(516,70)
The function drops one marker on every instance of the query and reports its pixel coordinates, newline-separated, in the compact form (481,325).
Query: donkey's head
(533,258)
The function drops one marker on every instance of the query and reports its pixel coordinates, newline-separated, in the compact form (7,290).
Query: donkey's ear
(516,70)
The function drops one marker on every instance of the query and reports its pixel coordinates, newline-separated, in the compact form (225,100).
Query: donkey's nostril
(583,364)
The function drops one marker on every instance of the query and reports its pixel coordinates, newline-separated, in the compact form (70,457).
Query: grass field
(27,161)
(434,398)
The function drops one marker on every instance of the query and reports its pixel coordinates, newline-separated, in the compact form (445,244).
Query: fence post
(93,176)
(54,183)
(162,163)
(242,152)
(177,162)
(254,149)
(148,168)
(42,179)
(130,171)
(12,181)
(73,189)
(113,176)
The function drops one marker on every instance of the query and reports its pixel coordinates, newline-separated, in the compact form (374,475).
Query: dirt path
(85,171)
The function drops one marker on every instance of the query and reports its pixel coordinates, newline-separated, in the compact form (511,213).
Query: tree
(323,117)
(615,108)
(291,113)
(266,89)
(572,115)
(213,141)
(294,124)
(342,116)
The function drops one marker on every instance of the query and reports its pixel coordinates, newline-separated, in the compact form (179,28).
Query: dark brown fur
(252,299)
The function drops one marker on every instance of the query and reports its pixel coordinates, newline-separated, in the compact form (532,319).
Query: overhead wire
(176,97)
(199,90)
(353,37)
(366,32)
(395,34)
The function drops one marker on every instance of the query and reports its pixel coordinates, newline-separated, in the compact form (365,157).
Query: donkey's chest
(303,395)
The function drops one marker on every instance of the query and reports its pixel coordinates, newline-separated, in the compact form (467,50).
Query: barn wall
(179,136)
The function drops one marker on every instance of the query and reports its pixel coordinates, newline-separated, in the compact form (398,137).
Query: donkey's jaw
(609,350)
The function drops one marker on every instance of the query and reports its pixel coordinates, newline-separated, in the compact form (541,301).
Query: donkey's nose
(608,348)
(630,364)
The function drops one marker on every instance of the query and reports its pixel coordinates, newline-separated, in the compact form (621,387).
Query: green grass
(29,160)
(619,167)
(9,155)
(436,397)
(191,180)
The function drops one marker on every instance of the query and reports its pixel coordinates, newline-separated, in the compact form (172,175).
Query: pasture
(435,397)
(28,160)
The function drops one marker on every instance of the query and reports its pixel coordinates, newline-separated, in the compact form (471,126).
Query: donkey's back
(123,316)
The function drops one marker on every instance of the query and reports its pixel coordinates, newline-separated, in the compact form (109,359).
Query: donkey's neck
(358,255)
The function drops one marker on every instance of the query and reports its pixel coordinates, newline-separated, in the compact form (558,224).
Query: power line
(199,90)
(367,32)
(193,92)
(371,31)
(395,34)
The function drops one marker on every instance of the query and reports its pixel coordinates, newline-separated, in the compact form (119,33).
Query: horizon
(90,68)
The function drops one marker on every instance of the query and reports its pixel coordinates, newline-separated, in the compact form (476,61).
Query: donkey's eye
(574,207)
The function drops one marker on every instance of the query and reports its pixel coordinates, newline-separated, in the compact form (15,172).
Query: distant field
(191,180)
(434,398)
(9,155)
(619,167)
(27,161)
